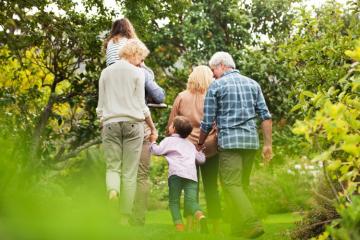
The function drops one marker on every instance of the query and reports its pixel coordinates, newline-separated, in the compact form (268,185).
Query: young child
(181,155)
(121,31)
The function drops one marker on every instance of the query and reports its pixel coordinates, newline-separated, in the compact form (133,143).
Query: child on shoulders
(121,32)
(182,157)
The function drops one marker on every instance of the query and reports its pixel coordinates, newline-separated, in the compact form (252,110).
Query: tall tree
(63,47)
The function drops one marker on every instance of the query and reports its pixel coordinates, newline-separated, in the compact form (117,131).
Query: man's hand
(267,153)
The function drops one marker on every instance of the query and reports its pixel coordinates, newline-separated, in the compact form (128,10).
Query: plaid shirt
(233,102)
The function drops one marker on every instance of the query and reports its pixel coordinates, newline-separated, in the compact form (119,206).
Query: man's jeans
(122,142)
(235,167)
(176,185)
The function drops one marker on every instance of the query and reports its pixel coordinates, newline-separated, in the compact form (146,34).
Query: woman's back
(191,105)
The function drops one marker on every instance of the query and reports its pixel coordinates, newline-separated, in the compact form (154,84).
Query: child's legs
(133,134)
(112,144)
(190,196)
(175,188)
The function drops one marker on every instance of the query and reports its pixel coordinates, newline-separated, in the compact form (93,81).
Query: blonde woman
(122,112)
(122,31)
(190,103)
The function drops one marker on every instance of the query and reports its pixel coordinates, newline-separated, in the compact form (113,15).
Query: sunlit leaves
(334,129)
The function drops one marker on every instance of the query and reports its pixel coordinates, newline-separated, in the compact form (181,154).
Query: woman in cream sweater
(122,111)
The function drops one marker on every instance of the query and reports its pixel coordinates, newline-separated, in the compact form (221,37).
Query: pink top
(180,154)
(191,105)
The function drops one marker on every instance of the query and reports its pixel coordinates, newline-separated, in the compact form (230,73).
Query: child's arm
(160,149)
(200,157)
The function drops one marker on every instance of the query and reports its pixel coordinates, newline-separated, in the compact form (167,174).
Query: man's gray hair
(222,58)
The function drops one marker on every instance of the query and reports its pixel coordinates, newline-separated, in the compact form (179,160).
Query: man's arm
(210,109)
(152,89)
(266,126)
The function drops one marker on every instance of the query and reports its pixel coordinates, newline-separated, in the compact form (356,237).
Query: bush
(281,189)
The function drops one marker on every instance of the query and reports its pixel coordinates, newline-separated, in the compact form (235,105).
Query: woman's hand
(153,135)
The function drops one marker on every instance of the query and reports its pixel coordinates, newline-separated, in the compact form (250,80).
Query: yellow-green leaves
(355,54)
(332,127)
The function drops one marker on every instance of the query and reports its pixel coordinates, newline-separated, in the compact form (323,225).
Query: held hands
(267,153)
(200,147)
(153,136)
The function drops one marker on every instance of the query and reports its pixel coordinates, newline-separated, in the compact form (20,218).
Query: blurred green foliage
(51,167)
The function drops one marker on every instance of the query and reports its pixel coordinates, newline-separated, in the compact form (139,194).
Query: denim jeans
(235,167)
(190,187)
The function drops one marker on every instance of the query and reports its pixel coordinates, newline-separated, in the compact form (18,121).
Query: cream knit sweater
(122,94)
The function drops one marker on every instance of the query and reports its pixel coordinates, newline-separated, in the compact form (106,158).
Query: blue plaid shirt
(233,101)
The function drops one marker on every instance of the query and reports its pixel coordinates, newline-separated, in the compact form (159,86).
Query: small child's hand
(200,147)
(153,137)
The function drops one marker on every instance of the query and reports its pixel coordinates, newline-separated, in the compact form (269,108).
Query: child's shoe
(202,221)
(180,227)
(113,195)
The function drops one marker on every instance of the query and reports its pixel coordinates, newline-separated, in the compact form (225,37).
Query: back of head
(121,28)
(199,79)
(134,48)
(222,58)
(182,126)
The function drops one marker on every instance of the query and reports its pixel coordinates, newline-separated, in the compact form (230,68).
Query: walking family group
(211,132)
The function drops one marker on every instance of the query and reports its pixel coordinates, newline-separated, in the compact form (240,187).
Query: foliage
(189,32)
(332,126)
(51,59)
(309,59)
(281,189)
(348,227)
(322,211)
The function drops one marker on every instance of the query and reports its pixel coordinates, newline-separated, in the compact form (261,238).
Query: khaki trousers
(122,142)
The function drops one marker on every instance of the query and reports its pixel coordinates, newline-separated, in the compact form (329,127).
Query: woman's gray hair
(222,58)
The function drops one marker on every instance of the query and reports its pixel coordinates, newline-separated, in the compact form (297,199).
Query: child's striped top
(112,50)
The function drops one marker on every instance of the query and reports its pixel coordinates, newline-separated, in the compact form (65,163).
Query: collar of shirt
(230,71)
(175,135)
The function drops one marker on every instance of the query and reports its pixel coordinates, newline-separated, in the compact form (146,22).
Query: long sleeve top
(191,105)
(234,102)
(181,155)
(153,92)
(122,93)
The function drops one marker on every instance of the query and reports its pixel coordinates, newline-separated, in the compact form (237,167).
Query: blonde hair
(134,48)
(200,79)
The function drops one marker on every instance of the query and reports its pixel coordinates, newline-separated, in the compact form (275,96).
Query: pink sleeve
(160,149)
(200,157)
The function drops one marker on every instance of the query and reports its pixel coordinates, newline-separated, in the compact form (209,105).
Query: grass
(57,220)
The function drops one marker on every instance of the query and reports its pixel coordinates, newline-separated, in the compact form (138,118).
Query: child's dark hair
(121,27)
(182,126)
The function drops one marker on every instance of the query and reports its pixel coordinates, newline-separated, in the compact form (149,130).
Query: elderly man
(233,101)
